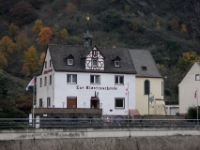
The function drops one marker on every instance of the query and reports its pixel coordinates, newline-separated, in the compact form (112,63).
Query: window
(70,62)
(40,102)
(95,79)
(116,63)
(48,102)
(94,52)
(45,64)
(71,78)
(146,87)
(119,79)
(162,88)
(45,81)
(40,82)
(94,63)
(50,79)
(197,77)
(119,103)
(144,68)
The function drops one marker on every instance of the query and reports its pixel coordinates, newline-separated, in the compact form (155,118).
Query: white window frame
(197,77)
(70,77)
(117,64)
(123,103)
(70,62)
(96,79)
(118,79)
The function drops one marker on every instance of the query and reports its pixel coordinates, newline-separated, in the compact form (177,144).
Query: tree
(22,42)
(37,26)
(6,46)
(184,28)
(3,61)
(192,113)
(126,8)
(41,61)
(30,60)
(111,20)
(13,29)
(64,34)
(44,36)
(22,13)
(70,9)
(24,103)
(187,59)
(56,29)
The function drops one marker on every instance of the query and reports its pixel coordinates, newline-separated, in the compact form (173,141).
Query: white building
(187,88)
(87,77)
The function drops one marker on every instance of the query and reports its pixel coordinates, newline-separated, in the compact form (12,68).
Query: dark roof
(142,59)
(60,52)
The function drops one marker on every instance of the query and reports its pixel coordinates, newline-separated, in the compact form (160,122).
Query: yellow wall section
(142,100)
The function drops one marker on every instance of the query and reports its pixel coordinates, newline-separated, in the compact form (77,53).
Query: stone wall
(125,143)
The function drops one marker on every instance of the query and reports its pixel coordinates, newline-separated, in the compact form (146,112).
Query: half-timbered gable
(94,60)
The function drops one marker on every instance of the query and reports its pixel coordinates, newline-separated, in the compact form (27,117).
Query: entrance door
(71,102)
(94,103)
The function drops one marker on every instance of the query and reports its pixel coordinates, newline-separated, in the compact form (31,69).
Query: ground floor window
(119,103)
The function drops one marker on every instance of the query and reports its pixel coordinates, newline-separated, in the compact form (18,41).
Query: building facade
(149,82)
(189,89)
(87,77)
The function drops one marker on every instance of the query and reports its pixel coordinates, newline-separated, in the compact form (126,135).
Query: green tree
(187,60)
(37,26)
(30,60)
(192,113)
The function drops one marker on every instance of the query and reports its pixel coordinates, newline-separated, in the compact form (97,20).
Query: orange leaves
(44,36)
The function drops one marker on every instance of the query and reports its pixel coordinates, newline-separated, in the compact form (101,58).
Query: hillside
(168,29)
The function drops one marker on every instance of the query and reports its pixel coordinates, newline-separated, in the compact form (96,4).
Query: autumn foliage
(44,36)
(30,61)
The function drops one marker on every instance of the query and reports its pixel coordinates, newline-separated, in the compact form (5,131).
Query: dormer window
(94,62)
(70,62)
(144,68)
(116,63)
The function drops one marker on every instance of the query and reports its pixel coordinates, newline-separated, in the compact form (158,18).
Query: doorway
(94,103)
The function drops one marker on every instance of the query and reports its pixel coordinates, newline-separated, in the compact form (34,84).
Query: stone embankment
(187,142)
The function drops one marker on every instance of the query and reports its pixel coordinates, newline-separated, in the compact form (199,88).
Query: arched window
(146,87)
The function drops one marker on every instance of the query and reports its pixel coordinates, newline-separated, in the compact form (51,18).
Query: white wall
(106,97)
(45,91)
(187,88)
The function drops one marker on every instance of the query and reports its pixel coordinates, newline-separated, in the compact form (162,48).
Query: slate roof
(59,52)
(144,58)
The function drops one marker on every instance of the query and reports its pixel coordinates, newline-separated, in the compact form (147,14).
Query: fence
(19,123)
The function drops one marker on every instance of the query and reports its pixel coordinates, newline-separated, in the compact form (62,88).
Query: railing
(19,123)
(172,102)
